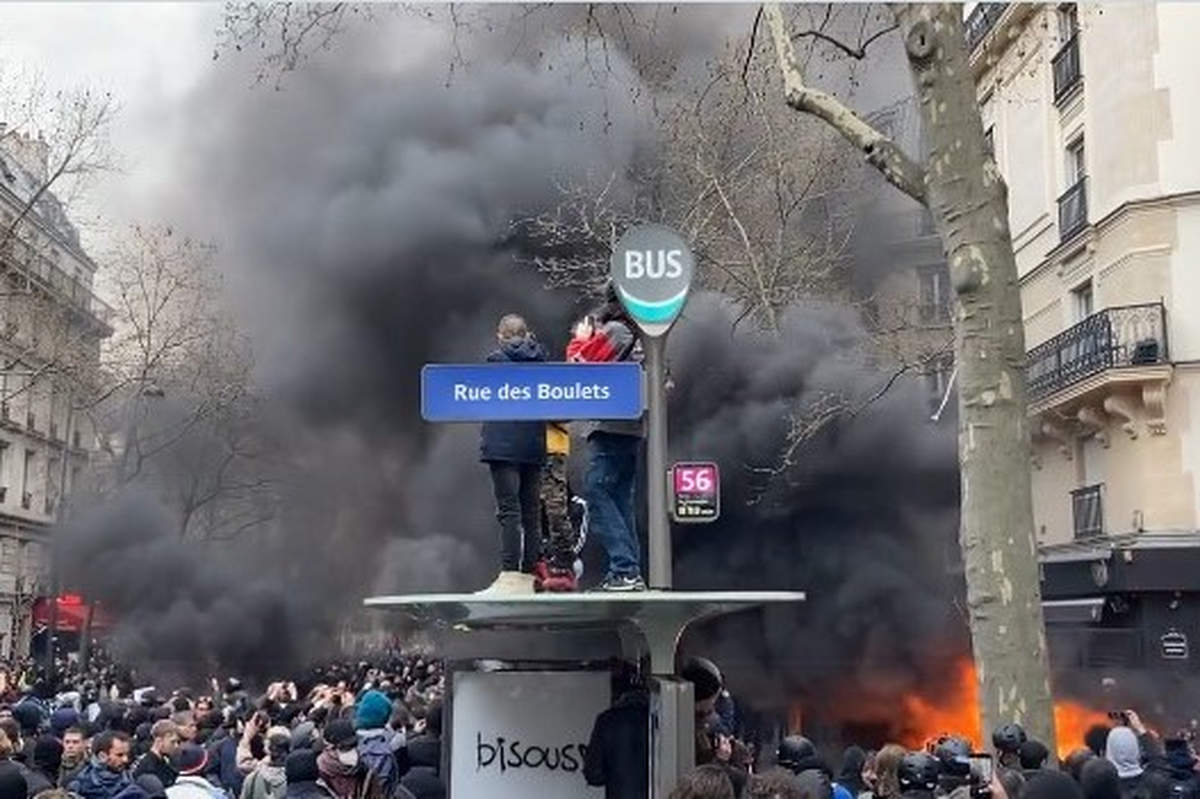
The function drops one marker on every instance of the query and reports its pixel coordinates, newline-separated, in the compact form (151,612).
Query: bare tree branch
(881,152)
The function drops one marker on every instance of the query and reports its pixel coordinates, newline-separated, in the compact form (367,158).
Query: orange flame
(957,711)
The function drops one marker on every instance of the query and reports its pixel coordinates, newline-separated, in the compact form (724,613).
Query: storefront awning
(72,614)
(1073,611)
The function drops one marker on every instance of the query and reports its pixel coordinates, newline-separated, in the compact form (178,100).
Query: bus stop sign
(696,492)
(652,269)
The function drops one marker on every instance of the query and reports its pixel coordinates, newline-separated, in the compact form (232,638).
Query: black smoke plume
(358,211)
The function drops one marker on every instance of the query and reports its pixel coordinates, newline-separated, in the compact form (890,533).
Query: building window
(26,474)
(1068,21)
(1076,161)
(935,295)
(1072,205)
(1083,301)
(8,555)
(1068,76)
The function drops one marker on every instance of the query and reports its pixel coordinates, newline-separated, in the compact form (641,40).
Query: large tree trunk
(969,203)
(960,185)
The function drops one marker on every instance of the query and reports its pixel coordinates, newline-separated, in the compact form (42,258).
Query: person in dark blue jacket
(515,452)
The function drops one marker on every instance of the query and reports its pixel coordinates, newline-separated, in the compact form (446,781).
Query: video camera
(959,767)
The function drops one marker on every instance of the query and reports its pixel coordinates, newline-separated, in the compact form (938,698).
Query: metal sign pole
(658,523)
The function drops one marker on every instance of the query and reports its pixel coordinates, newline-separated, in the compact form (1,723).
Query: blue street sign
(496,392)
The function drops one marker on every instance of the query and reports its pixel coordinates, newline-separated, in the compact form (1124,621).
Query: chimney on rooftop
(32,155)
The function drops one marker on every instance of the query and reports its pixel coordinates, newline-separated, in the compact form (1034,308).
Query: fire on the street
(957,711)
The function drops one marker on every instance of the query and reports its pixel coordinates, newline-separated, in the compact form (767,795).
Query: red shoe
(541,572)
(560,581)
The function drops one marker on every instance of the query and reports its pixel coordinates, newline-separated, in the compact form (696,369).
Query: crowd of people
(367,730)
(1124,760)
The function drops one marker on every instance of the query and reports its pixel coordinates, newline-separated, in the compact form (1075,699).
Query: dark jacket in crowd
(815,774)
(619,748)
(423,779)
(850,777)
(303,777)
(1099,779)
(12,782)
(98,781)
(36,781)
(515,442)
(158,766)
(222,760)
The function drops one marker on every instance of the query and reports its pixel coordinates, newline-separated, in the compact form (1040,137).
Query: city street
(637,401)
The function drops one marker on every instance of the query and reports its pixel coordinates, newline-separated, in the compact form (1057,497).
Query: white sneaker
(509,584)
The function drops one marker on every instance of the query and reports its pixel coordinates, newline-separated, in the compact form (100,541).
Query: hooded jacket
(98,781)
(423,779)
(193,786)
(1123,751)
(265,782)
(619,748)
(515,442)
(349,782)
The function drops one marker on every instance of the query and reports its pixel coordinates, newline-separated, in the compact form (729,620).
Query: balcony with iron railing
(1073,210)
(1067,73)
(1126,336)
(983,18)
(1087,511)
(29,262)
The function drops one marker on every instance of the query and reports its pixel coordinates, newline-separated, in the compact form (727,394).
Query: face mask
(348,759)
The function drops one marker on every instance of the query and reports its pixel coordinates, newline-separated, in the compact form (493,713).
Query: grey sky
(148,54)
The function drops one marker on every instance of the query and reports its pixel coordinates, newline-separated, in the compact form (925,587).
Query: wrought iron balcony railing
(1131,335)
(1073,210)
(29,261)
(982,19)
(1067,74)
(1087,510)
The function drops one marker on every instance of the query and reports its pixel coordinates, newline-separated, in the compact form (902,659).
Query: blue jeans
(609,490)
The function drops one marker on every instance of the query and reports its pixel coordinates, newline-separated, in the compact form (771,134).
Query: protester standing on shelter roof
(608,335)
(515,453)
(557,568)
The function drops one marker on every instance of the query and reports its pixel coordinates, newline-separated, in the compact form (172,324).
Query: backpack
(376,753)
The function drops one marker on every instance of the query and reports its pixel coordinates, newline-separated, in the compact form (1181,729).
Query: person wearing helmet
(798,755)
(953,757)
(1007,740)
(918,776)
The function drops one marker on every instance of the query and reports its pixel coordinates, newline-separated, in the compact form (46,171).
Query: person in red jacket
(608,335)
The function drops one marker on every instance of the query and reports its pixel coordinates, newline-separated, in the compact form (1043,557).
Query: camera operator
(918,776)
(1007,740)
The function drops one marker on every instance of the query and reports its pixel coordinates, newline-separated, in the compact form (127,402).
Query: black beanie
(1099,779)
(339,733)
(301,766)
(47,753)
(1033,754)
(28,716)
(704,675)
